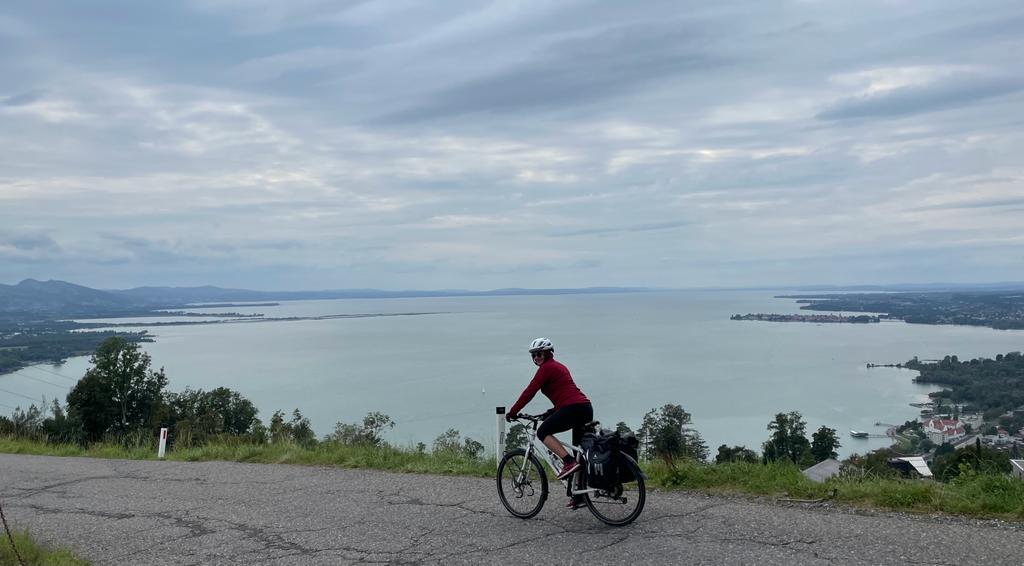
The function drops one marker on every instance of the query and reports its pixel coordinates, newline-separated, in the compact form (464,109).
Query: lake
(628,352)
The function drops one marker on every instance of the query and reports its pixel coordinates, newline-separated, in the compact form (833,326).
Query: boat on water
(858,434)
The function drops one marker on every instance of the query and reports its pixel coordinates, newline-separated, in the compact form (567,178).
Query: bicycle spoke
(522,487)
(621,505)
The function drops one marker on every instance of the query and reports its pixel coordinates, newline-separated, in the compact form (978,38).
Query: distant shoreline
(245,319)
(815,318)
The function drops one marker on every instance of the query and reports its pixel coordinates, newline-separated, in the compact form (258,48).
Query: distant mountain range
(63,298)
(66,299)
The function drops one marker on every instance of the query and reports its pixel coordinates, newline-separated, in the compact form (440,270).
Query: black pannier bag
(625,443)
(597,449)
(603,452)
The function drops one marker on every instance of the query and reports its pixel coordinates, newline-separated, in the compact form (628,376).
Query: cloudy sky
(398,144)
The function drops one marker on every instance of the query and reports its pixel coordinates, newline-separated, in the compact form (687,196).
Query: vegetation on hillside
(990,386)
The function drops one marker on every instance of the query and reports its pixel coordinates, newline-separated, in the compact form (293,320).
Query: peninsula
(818,318)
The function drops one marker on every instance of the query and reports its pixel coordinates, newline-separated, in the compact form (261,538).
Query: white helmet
(540,345)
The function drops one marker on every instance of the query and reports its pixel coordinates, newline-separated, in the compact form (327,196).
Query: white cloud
(469,145)
(50,111)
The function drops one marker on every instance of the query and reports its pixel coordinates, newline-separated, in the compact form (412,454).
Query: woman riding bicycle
(571,409)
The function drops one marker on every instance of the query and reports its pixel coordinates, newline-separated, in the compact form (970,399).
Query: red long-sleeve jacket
(554,381)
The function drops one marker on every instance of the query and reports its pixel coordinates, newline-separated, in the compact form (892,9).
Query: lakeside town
(975,421)
(821,318)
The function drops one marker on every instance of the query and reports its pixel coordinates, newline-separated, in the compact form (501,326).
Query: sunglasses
(537,354)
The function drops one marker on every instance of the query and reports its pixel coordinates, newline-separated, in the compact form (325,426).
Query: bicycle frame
(534,445)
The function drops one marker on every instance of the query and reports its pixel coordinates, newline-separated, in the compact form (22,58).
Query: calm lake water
(628,352)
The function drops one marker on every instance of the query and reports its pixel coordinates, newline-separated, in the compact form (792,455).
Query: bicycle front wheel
(622,504)
(522,484)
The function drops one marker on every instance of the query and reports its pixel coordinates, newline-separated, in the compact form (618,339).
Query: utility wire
(40,368)
(19,395)
(61,385)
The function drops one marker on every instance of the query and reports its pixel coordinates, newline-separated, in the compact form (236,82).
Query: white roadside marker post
(163,444)
(499,448)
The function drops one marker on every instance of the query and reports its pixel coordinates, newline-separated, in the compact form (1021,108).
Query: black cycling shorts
(568,417)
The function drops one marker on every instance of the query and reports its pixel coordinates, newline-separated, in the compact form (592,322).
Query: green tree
(471,448)
(516,437)
(369,433)
(196,415)
(119,393)
(787,440)
(875,463)
(979,459)
(824,443)
(298,430)
(450,442)
(278,428)
(447,441)
(666,435)
(735,454)
(61,428)
(236,414)
(301,430)
(28,422)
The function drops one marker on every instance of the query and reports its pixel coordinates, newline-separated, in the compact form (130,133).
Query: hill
(60,298)
(46,297)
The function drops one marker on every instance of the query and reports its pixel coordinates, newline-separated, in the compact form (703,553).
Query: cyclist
(571,409)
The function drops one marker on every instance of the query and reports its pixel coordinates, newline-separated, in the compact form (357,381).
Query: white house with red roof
(943,430)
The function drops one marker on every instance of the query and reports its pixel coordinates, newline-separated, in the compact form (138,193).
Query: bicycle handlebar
(524,416)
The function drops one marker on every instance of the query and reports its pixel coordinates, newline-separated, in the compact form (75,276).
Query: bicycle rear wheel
(622,504)
(522,484)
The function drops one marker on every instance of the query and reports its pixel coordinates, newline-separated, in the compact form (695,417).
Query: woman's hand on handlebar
(523,416)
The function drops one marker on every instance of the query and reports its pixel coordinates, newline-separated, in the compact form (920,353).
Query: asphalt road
(130,512)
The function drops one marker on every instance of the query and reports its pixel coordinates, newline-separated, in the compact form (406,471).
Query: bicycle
(522,480)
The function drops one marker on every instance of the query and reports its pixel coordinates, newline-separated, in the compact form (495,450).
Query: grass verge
(34,553)
(970,494)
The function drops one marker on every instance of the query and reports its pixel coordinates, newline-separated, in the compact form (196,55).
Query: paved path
(129,512)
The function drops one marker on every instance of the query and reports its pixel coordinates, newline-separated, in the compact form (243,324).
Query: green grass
(322,454)
(34,554)
(972,494)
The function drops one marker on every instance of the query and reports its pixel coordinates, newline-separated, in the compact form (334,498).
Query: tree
(979,460)
(735,454)
(278,432)
(787,440)
(28,422)
(369,433)
(298,430)
(196,415)
(61,428)
(119,393)
(666,435)
(515,438)
(450,442)
(471,448)
(824,443)
(875,463)
(236,414)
